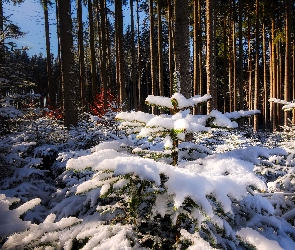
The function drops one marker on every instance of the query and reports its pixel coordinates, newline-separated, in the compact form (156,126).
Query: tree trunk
(287,59)
(197,83)
(51,89)
(152,49)
(2,61)
(181,47)
(274,77)
(103,65)
(94,85)
(170,41)
(67,64)
(120,51)
(241,70)
(256,84)
(265,85)
(140,97)
(160,56)
(133,56)
(234,57)
(210,56)
(82,84)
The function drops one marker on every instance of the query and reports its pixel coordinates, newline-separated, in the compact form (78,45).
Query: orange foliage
(97,107)
(55,113)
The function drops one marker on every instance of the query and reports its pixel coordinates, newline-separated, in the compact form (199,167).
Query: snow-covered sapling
(174,128)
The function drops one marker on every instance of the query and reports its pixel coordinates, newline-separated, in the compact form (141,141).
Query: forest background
(240,52)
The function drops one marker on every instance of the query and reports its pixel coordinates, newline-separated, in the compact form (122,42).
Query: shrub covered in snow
(174,128)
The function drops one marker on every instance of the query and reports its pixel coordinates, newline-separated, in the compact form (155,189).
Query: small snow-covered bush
(202,201)
(174,128)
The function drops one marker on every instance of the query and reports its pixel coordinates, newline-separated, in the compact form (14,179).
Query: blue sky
(30,18)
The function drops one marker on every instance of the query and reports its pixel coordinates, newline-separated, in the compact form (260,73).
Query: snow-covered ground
(85,189)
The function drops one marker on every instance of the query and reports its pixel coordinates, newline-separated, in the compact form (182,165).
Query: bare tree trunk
(287,58)
(265,85)
(67,64)
(2,61)
(256,84)
(170,41)
(103,66)
(210,56)
(160,56)
(241,70)
(139,106)
(234,57)
(133,52)
(182,46)
(152,49)
(51,89)
(82,84)
(120,51)
(274,77)
(94,84)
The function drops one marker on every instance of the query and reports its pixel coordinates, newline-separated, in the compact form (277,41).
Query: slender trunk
(249,69)
(139,106)
(241,70)
(230,61)
(51,90)
(82,84)
(133,55)
(256,84)
(103,66)
(182,46)
(120,51)
(160,56)
(2,61)
(170,41)
(210,56)
(274,76)
(152,48)
(265,85)
(94,85)
(67,64)
(287,58)
(225,64)
(59,100)
(234,57)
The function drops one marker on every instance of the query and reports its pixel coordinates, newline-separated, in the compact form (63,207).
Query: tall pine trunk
(287,58)
(94,84)
(182,46)
(82,83)
(50,86)
(256,83)
(67,64)
(210,56)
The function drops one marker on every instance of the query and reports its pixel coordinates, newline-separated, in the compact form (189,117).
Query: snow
(182,102)
(256,239)
(228,186)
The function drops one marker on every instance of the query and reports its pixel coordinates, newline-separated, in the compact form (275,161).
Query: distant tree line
(239,51)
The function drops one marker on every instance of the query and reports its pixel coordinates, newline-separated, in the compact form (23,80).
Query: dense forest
(160,124)
(240,52)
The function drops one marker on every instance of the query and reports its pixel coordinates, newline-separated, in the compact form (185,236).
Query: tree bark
(210,56)
(256,84)
(133,56)
(67,64)
(120,51)
(94,84)
(50,87)
(82,83)
(181,46)
(160,56)
(287,59)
